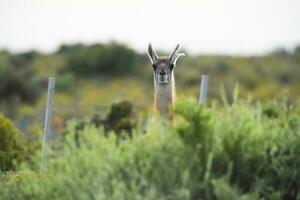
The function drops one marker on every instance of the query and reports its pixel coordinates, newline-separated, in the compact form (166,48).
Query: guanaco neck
(164,97)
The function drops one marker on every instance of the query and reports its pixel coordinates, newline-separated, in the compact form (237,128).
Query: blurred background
(96,50)
(103,142)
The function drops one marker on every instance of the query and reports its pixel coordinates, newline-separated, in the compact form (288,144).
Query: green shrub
(17,79)
(229,153)
(17,147)
(110,59)
(120,120)
(11,145)
(121,117)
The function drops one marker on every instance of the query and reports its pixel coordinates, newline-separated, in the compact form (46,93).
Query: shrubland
(242,150)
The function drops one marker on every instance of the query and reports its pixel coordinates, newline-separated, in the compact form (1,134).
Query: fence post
(203,89)
(47,122)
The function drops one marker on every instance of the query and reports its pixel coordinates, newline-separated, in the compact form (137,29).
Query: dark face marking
(163,68)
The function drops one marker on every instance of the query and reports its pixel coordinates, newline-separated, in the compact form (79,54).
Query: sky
(200,26)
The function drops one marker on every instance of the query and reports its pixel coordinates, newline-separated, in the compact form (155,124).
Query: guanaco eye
(154,67)
(172,66)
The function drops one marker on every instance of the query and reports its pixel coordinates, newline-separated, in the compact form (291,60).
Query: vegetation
(231,149)
(98,59)
(11,144)
(107,73)
(239,151)
(14,146)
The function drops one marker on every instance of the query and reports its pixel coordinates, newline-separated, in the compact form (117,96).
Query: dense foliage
(99,59)
(239,151)
(14,148)
(230,150)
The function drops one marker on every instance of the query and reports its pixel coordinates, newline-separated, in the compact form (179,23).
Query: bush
(121,117)
(16,78)
(231,153)
(120,120)
(111,59)
(11,145)
(17,147)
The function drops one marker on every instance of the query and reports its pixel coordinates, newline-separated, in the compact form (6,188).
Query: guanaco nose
(162,73)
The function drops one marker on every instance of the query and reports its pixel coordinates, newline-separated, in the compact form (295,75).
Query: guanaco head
(163,66)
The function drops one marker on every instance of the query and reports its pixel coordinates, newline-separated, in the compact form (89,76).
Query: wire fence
(54,117)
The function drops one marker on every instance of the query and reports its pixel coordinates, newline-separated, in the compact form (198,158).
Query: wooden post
(203,89)
(47,122)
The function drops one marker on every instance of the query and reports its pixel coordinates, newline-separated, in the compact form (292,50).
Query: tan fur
(164,98)
(164,82)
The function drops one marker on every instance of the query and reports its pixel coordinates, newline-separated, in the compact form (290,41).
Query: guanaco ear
(175,55)
(151,53)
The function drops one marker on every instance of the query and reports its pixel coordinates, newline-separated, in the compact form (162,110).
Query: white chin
(163,82)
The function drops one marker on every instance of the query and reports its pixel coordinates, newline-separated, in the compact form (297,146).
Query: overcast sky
(201,26)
